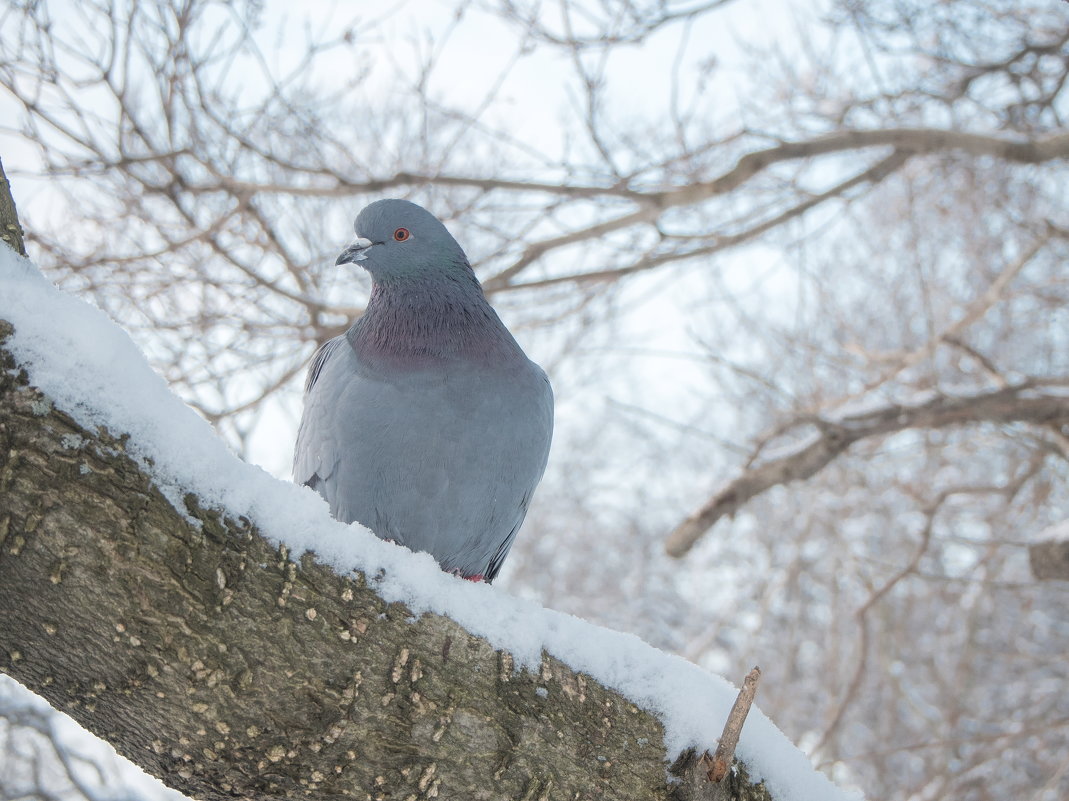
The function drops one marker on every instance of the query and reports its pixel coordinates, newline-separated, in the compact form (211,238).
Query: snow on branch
(223,666)
(222,632)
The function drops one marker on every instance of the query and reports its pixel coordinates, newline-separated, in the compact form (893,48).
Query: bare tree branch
(213,661)
(1020,403)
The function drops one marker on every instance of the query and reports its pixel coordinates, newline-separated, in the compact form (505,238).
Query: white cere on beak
(356,252)
(360,243)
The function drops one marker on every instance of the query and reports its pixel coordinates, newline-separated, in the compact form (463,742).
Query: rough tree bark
(10,229)
(1049,555)
(225,668)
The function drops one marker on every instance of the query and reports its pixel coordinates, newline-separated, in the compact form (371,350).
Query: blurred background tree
(799,272)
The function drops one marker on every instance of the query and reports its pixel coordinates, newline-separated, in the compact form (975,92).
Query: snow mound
(1059,532)
(93,371)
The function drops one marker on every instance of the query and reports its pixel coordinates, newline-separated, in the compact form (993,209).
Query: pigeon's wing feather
(537,456)
(315,454)
(320,358)
(498,559)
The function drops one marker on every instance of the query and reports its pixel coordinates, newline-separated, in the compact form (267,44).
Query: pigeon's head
(398,239)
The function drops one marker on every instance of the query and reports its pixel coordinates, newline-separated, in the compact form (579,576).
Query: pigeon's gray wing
(498,559)
(542,438)
(315,456)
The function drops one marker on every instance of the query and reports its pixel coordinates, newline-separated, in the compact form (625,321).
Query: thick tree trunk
(220,665)
(10,229)
(1049,556)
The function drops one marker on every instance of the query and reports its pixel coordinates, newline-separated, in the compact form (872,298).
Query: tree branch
(1049,557)
(904,141)
(910,140)
(720,762)
(10,229)
(653,203)
(874,174)
(1020,403)
(216,663)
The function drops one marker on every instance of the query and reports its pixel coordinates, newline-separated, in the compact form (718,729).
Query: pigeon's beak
(356,252)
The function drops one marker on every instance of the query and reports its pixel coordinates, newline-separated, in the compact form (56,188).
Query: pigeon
(425,421)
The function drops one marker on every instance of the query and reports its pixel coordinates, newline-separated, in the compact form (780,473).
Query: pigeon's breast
(441,458)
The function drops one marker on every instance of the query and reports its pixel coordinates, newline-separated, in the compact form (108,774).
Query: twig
(725,751)
(973,312)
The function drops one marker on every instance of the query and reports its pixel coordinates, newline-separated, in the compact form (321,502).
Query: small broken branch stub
(719,763)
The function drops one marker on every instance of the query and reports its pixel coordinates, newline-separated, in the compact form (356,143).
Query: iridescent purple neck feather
(438,317)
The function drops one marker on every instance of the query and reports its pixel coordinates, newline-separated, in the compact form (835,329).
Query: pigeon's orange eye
(401,234)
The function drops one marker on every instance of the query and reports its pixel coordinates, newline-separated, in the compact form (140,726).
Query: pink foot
(456,572)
